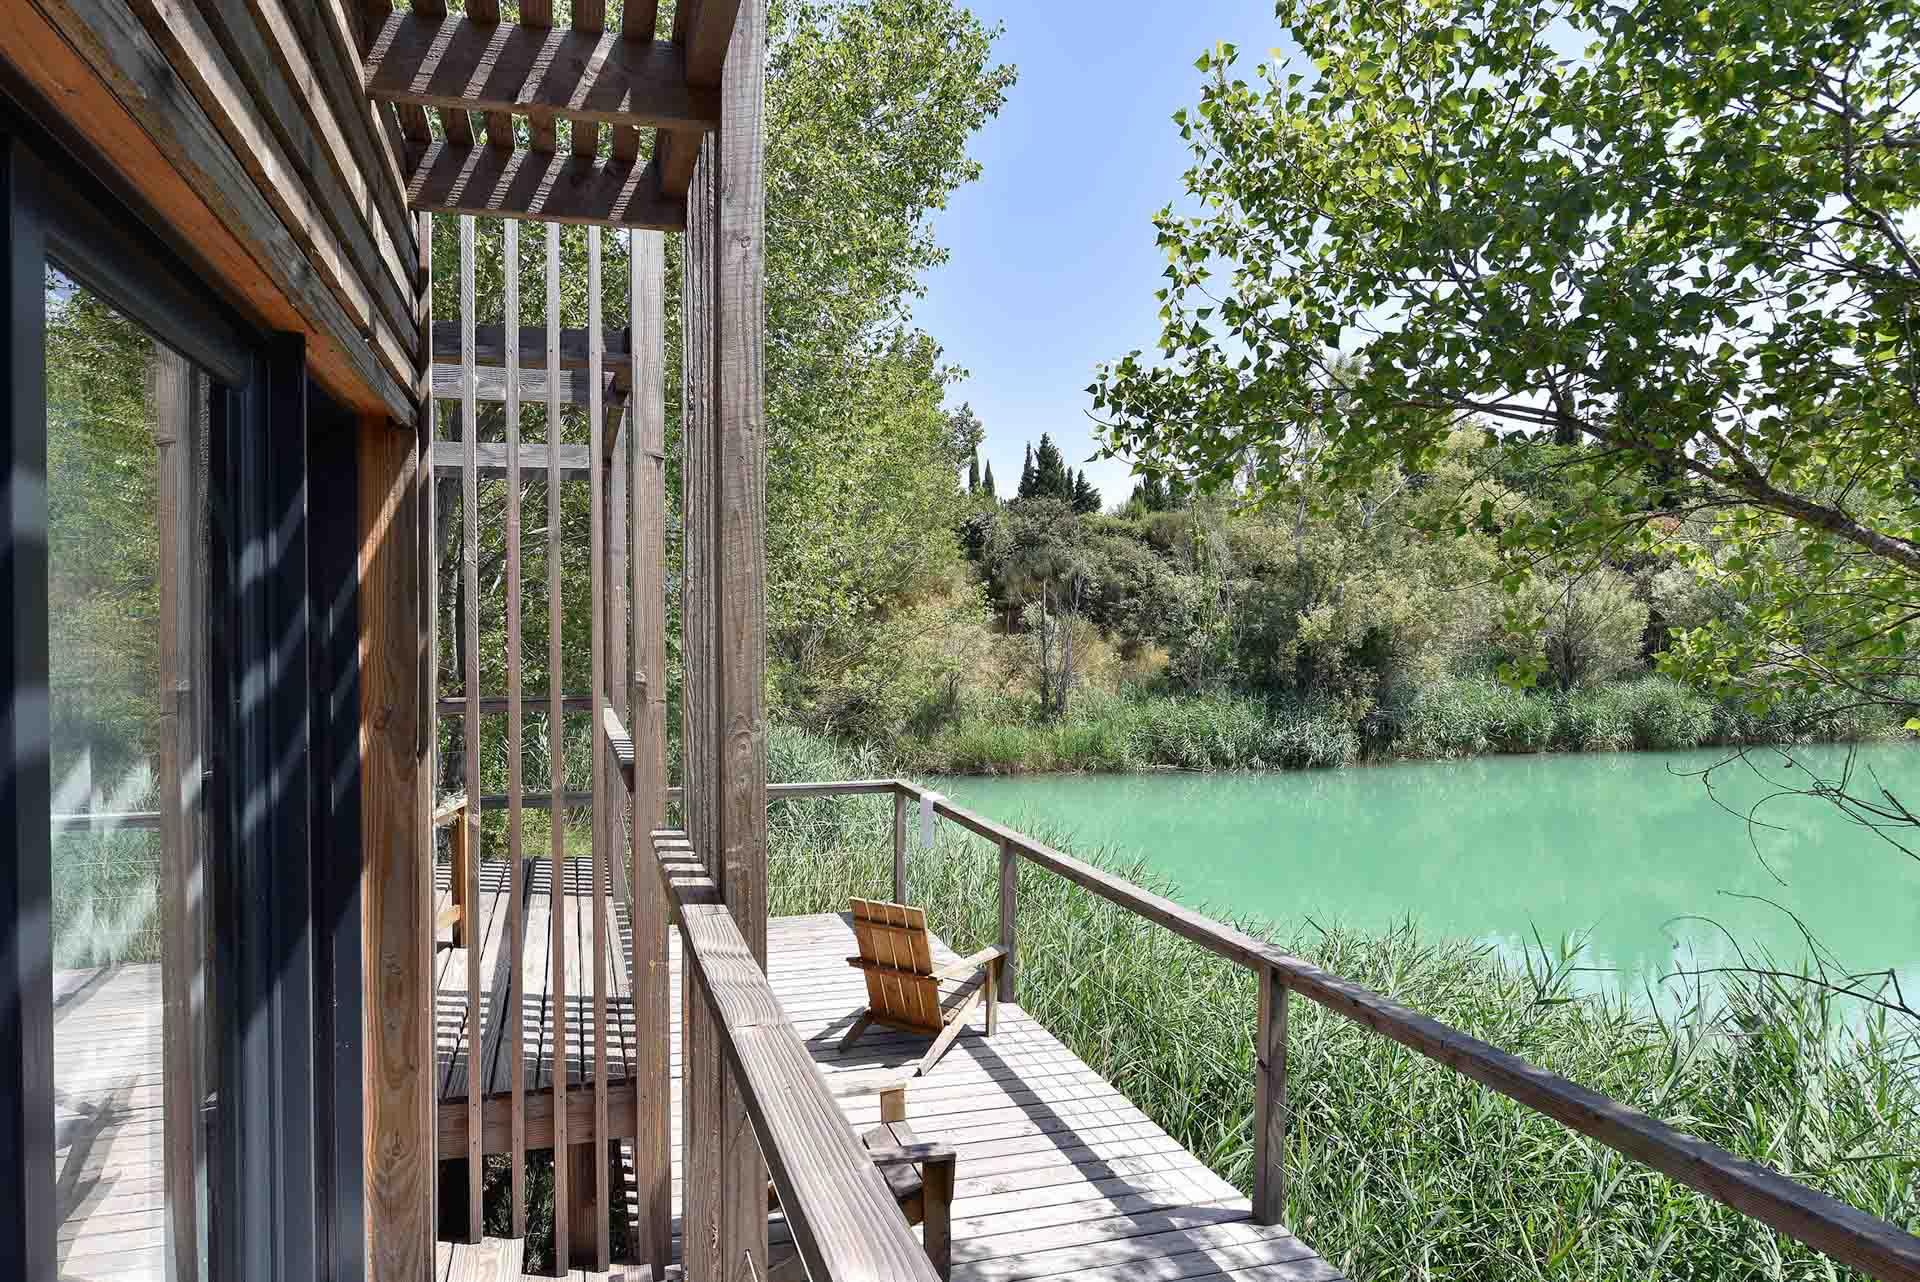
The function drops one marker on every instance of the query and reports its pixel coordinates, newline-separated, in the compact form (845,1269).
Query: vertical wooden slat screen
(595,1248)
(652,1126)
(470,646)
(556,752)
(701,1086)
(515,1010)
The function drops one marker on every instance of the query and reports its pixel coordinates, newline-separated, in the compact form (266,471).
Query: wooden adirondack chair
(903,984)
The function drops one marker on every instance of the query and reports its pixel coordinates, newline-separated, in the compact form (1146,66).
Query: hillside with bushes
(1317,626)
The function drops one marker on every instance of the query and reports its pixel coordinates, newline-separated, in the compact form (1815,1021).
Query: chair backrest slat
(895,936)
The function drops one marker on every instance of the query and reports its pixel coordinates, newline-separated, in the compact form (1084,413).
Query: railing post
(1009,893)
(899,845)
(1270,1101)
(458,857)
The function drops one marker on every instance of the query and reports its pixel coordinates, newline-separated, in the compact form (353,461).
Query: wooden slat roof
(524,78)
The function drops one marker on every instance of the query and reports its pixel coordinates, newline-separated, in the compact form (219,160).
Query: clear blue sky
(1054,265)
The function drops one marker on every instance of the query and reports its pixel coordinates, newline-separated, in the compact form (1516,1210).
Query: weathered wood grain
(490,385)
(740,541)
(510,357)
(493,457)
(145,126)
(470,677)
(396,894)
(171,400)
(536,1120)
(313,116)
(556,722)
(196,57)
(450,178)
(652,998)
(592,1249)
(841,1213)
(491,347)
(1270,1102)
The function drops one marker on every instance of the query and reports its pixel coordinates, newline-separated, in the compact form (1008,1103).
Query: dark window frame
(286,1173)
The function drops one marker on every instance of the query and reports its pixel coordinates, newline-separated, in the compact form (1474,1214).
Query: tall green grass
(1453,718)
(1397,1167)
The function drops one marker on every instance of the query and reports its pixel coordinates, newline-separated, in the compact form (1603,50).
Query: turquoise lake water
(1626,851)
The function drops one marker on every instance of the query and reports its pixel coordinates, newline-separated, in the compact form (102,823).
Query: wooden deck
(108,1159)
(1060,1177)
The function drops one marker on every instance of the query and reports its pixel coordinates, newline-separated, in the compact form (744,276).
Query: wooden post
(740,580)
(591,1248)
(1009,905)
(459,859)
(397,892)
(648,975)
(1270,1101)
(560,1064)
(471,937)
(171,398)
(515,1013)
(900,846)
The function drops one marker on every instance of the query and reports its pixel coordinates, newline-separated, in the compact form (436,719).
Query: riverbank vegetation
(1397,1167)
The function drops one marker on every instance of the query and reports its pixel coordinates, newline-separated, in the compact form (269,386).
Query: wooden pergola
(522,79)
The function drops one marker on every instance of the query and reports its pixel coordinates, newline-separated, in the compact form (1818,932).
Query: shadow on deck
(1059,1176)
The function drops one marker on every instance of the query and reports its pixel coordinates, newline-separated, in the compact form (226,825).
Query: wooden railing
(1846,1234)
(843,1218)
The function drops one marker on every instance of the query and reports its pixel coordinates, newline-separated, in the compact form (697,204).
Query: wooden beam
(574,74)
(281,57)
(397,889)
(490,346)
(702,29)
(95,59)
(490,385)
(496,1120)
(550,188)
(493,457)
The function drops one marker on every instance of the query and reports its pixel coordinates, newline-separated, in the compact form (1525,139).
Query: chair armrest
(966,966)
(914,1154)
(854,1088)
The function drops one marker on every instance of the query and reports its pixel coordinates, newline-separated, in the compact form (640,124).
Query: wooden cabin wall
(241,128)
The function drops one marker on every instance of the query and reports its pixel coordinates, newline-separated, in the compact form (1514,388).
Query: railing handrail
(839,1209)
(1846,1233)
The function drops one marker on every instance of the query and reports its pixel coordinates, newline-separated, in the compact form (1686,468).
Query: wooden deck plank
(1060,1177)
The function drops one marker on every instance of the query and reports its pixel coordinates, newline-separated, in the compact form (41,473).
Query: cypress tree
(1086,499)
(986,482)
(973,470)
(1050,476)
(1026,475)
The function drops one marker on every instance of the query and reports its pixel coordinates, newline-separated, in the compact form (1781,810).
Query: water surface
(1625,851)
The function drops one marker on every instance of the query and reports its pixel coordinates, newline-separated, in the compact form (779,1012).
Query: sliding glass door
(179,914)
(127,624)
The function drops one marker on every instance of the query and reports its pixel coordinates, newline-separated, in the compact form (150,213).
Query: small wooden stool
(920,1177)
